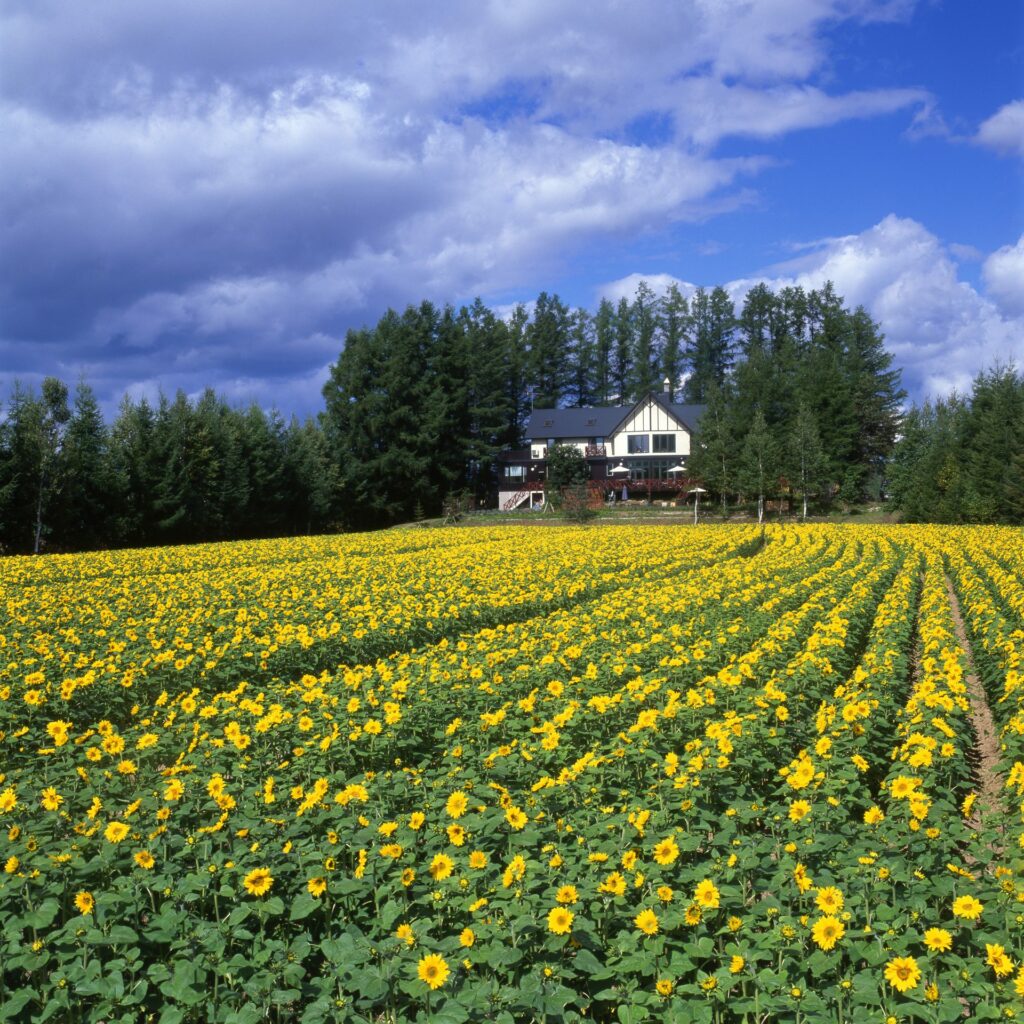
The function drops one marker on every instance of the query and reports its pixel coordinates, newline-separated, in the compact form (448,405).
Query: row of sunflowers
(616,773)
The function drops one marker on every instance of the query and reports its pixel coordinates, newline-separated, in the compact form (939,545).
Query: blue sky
(212,194)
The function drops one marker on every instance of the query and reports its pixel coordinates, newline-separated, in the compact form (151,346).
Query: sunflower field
(615,773)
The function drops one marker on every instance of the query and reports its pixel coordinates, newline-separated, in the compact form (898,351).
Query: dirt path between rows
(988,809)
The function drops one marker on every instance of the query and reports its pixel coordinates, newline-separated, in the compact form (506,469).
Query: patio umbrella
(696,492)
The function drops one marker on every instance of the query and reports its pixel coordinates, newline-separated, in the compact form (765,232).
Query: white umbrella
(620,468)
(697,492)
(676,469)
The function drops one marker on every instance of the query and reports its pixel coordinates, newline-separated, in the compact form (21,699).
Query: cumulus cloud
(222,189)
(1004,130)
(625,287)
(1003,272)
(940,329)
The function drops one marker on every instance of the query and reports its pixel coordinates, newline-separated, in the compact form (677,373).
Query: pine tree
(488,348)
(805,458)
(517,387)
(926,481)
(135,467)
(604,346)
(21,469)
(757,466)
(83,517)
(646,357)
(49,426)
(876,396)
(709,355)
(548,339)
(582,384)
(622,352)
(713,458)
(446,413)
(994,437)
(674,314)
(310,478)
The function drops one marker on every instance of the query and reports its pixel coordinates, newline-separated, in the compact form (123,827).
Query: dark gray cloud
(210,193)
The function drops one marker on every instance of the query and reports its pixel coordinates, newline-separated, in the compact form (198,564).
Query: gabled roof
(604,420)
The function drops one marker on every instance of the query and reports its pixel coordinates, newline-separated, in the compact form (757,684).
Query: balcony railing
(596,451)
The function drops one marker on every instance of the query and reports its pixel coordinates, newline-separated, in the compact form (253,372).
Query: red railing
(515,501)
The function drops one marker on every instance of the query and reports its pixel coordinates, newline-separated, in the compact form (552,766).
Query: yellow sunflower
(258,881)
(433,970)
(902,973)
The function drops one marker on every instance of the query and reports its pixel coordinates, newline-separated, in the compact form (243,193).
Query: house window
(639,444)
(664,442)
(515,472)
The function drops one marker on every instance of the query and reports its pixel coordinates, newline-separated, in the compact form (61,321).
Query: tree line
(800,391)
(801,398)
(961,459)
(171,472)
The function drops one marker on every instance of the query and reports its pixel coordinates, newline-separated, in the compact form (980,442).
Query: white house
(644,446)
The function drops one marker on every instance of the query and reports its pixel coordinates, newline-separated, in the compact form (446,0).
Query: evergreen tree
(446,412)
(926,479)
(355,419)
(517,388)
(805,458)
(582,384)
(47,424)
(993,439)
(21,470)
(709,355)
(875,394)
(644,317)
(760,322)
(675,322)
(82,518)
(714,456)
(135,469)
(189,494)
(261,503)
(757,464)
(604,346)
(548,339)
(489,353)
(622,352)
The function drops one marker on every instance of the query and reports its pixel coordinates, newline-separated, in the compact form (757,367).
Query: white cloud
(625,287)
(1004,130)
(1003,272)
(966,253)
(941,331)
(710,110)
(224,182)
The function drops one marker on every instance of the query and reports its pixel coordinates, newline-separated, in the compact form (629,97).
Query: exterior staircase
(516,501)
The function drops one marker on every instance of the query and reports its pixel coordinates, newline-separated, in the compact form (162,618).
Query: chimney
(666,386)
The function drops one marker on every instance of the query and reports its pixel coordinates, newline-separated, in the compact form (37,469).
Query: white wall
(650,418)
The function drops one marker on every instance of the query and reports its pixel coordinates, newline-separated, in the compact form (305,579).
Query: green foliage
(566,468)
(758,462)
(962,459)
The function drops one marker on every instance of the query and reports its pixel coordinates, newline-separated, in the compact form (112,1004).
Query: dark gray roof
(602,420)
